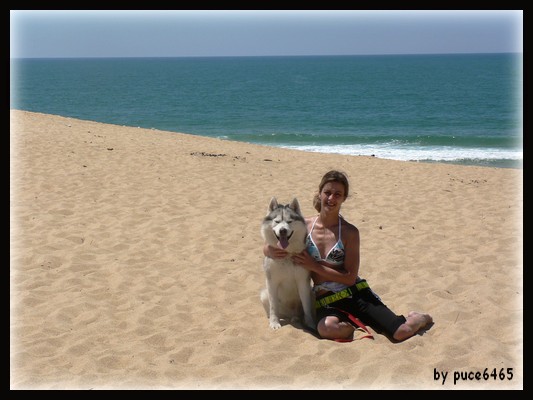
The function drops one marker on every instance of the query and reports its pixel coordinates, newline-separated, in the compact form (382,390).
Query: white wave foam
(436,153)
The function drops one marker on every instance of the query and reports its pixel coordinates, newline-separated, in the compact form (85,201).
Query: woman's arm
(274,252)
(351,251)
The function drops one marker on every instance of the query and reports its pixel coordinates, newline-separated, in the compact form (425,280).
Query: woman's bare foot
(422,319)
(413,323)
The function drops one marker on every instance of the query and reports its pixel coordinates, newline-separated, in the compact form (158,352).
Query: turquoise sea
(462,108)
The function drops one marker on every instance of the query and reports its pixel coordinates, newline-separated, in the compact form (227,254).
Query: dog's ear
(273,205)
(295,206)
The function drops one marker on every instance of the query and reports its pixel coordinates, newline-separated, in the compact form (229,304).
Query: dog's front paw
(274,323)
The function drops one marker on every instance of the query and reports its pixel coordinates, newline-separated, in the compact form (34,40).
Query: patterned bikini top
(335,255)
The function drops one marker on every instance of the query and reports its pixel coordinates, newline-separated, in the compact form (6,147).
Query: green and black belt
(324,301)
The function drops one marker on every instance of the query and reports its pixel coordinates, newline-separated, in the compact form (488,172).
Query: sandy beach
(136,263)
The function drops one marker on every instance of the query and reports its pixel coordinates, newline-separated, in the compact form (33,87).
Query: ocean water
(462,108)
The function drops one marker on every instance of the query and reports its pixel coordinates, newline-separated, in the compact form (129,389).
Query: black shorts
(368,307)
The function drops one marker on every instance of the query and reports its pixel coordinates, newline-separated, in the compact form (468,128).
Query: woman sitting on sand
(346,302)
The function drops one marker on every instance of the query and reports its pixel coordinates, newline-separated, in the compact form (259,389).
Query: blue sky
(185,33)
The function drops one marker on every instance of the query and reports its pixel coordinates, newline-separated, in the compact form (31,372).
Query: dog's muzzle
(283,238)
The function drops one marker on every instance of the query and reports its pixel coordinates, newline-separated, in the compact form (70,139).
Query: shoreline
(500,163)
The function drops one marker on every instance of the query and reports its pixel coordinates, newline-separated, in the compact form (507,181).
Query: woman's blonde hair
(331,176)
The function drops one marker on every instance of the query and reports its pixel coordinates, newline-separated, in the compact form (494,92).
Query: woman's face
(332,196)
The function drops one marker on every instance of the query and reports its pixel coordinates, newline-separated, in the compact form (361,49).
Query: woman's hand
(305,260)
(274,252)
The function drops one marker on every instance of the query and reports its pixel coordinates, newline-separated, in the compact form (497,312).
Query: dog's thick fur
(288,293)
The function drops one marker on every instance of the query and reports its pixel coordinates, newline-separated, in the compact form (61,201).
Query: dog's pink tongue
(283,242)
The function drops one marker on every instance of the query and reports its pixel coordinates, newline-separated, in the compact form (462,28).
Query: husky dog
(288,292)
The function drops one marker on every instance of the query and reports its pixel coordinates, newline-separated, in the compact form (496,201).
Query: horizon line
(272,55)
